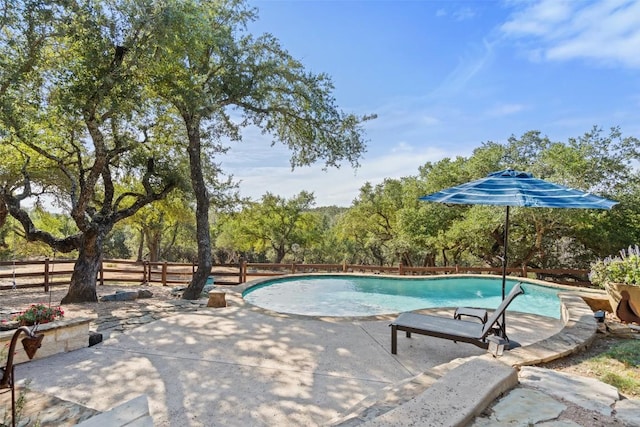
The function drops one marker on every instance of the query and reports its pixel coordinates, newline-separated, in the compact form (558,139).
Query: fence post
(524,270)
(242,272)
(457,269)
(401,269)
(344,266)
(101,272)
(164,273)
(46,274)
(293,268)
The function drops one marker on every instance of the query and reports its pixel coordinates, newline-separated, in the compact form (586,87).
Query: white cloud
(464,14)
(607,32)
(469,65)
(335,186)
(402,126)
(538,19)
(402,147)
(505,110)
(461,14)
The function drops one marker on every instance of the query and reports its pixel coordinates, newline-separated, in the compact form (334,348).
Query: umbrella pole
(504,255)
(504,270)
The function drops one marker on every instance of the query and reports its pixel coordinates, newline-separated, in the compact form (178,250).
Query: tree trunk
(4,212)
(429,260)
(406,260)
(280,253)
(141,246)
(200,276)
(153,244)
(86,268)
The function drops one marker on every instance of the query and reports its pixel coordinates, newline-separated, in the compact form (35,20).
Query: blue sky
(445,76)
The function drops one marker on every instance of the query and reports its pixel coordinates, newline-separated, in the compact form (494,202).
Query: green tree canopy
(274,225)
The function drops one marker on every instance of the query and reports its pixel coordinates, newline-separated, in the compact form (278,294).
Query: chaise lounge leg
(394,339)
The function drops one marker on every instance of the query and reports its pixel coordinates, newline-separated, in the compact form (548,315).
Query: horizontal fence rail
(48,273)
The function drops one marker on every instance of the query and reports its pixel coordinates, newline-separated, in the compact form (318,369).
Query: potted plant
(38,313)
(618,274)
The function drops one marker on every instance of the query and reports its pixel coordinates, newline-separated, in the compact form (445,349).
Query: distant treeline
(387,224)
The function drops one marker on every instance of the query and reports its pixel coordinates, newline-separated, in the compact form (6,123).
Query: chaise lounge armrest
(479,313)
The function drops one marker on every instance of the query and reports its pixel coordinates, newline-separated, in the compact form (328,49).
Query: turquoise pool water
(372,295)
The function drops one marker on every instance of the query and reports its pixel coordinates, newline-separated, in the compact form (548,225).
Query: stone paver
(44,410)
(546,398)
(559,423)
(522,408)
(131,317)
(628,411)
(589,393)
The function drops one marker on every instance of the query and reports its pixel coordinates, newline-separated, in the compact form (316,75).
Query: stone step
(456,398)
(133,413)
(393,395)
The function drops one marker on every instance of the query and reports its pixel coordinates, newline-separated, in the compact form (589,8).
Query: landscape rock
(145,293)
(120,296)
(178,290)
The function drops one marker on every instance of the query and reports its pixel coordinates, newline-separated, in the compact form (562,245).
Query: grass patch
(619,367)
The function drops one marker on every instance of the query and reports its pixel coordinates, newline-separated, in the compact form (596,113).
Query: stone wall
(59,337)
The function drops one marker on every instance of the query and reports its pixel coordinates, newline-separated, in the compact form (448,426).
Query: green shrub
(623,269)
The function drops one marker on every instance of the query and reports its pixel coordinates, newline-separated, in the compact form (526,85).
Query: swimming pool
(350,295)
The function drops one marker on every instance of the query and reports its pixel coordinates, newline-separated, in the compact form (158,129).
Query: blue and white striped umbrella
(513,188)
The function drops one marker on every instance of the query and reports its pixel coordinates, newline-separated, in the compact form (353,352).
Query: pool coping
(579,331)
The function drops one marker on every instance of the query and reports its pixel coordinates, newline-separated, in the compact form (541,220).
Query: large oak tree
(219,79)
(76,120)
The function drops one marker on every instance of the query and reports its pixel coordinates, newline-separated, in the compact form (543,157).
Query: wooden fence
(47,273)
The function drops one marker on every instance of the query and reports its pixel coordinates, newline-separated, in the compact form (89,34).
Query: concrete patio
(239,366)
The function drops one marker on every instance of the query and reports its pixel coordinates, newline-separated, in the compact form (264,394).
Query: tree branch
(31,233)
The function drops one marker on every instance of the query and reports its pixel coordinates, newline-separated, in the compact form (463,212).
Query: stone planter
(614,291)
(59,337)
